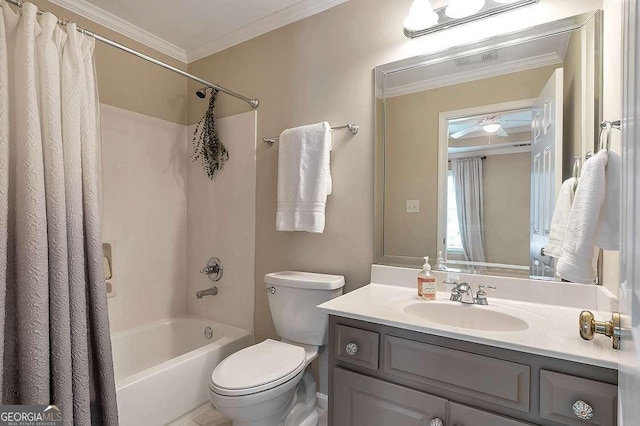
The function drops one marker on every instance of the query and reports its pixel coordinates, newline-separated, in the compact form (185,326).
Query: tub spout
(208,292)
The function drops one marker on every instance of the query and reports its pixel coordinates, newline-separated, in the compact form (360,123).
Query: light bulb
(491,127)
(463,8)
(421,16)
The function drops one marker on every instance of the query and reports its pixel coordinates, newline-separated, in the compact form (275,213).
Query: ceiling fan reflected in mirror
(494,125)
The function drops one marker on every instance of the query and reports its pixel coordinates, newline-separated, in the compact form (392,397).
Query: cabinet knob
(582,410)
(436,421)
(352,349)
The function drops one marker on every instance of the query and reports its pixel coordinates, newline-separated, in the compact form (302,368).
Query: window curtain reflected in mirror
(467,179)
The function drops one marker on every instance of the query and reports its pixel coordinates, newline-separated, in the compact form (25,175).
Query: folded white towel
(304,178)
(608,228)
(577,261)
(560,218)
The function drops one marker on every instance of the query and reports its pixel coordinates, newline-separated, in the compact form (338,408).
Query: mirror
(473,144)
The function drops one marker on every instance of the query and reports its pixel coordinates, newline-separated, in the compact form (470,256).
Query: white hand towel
(560,218)
(608,229)
(576,262)
(304,178)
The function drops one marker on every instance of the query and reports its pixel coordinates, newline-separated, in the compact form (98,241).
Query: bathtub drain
(208,332)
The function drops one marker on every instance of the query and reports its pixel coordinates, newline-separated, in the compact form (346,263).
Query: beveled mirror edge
(380,73)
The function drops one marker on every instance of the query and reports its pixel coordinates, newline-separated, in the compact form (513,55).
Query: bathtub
(163,369)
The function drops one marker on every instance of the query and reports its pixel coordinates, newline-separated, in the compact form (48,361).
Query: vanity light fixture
(463,8)
(423,19)
(421,16)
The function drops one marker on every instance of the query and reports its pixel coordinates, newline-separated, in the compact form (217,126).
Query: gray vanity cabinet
(386,376)
(364,401)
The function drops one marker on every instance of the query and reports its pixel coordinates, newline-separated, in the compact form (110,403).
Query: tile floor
(207,415)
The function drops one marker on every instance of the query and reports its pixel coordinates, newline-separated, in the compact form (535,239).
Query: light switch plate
(413,206)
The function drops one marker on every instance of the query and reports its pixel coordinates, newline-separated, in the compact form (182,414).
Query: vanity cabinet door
(461,415)
(362,401)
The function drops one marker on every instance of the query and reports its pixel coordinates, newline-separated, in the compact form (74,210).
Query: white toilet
(271,383)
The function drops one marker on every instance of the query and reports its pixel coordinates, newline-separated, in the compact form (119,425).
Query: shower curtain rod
(251,101)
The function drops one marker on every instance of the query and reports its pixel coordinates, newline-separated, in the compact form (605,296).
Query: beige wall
(411,153)
(129,82)
(144,215)
(507,197)
(572,128)
(318,69)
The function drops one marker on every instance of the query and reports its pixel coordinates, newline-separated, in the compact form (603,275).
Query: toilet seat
(258,368)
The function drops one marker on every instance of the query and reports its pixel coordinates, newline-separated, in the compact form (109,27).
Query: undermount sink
(474,317)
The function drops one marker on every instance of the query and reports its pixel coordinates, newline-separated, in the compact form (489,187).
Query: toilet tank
(293,299)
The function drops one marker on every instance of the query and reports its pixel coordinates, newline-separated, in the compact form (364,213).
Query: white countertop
(552,331)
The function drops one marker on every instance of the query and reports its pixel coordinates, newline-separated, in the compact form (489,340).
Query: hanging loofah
(206,145)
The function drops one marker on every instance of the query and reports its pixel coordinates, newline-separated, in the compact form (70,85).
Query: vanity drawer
(558,393)
(484,378)
(357,347)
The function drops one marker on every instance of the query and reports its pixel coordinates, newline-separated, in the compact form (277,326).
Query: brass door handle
(589,327)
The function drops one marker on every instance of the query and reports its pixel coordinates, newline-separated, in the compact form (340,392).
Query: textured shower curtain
(467,179)
(56,347)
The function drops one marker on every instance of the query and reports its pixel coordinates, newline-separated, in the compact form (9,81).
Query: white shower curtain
(467,178)
(56,347)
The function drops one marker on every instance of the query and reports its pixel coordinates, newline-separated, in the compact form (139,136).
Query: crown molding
(301,10)
(296,12)
(121,26)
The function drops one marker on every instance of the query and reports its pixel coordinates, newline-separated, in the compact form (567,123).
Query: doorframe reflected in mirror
(443,159)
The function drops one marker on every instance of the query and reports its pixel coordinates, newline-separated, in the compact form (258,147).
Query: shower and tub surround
(55,326)
(163,363)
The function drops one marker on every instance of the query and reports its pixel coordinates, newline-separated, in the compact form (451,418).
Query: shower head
(202,93)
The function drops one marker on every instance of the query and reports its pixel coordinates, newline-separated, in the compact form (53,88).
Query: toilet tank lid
(308,280)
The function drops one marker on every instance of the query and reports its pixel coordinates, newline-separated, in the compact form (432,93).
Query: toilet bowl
(270,383)
(259,385)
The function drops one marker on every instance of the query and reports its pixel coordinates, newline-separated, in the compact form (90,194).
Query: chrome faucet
(466,294)
(462,292)
(208,292)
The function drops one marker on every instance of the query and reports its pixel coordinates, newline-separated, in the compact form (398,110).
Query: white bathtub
(163,369)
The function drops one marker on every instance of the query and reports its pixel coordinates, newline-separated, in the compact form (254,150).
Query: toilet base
(293,407)
(312,420)
(304,411)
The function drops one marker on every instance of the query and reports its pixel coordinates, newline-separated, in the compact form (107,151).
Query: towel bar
(351,127)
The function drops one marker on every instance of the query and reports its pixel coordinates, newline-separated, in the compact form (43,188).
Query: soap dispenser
(426,282)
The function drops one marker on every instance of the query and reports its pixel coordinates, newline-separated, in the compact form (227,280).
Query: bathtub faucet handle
(213,269)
